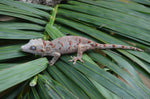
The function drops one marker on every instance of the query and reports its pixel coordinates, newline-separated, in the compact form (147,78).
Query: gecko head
(34,46)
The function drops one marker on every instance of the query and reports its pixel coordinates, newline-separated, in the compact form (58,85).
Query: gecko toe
(70,60)
(81,60)
(74,62)
(74,59)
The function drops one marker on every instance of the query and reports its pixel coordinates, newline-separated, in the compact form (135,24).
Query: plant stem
(51,21)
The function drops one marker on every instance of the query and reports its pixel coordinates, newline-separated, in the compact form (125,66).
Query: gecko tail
(112,46)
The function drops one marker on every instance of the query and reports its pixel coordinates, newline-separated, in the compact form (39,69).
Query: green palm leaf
(104,21)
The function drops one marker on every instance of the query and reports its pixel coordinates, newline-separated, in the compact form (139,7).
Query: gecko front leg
(56,56)
(81,49)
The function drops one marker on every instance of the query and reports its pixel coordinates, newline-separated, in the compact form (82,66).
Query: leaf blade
(21,73)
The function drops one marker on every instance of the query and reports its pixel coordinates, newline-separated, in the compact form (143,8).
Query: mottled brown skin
(66,45)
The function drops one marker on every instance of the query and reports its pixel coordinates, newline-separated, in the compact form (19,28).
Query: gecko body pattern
(66,45)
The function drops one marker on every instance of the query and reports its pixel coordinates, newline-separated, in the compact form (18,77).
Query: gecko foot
(74,59)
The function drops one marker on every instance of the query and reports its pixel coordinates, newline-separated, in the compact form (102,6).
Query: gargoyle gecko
(66,45)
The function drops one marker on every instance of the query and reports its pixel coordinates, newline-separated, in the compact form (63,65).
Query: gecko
(66,45)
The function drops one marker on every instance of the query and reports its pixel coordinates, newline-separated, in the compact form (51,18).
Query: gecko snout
(22,48)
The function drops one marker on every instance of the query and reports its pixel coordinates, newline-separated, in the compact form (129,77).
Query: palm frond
(29,69)
(123,22)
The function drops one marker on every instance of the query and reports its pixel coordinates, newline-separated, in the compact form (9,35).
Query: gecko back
(69,44)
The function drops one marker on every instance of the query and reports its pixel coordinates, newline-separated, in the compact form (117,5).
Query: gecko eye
(33,48)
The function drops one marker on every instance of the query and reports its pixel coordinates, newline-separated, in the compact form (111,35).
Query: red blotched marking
(131,47)
(59,48)
(69,42)
(137,49)
(53,46)
(89,41)
(96,44)
(79,41)
(123,46)
(74,46)
(60,43)
(44,43)
(50,44)
(113,46)
(104,45)
(42,50)
(69,47)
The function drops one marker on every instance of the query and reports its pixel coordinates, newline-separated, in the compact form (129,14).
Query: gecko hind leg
(81,49)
